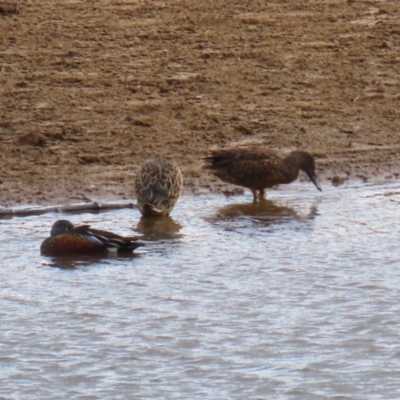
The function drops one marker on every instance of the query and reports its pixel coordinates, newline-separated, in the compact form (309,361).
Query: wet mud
(89,90)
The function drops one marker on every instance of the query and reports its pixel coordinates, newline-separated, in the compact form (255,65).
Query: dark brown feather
(258,169)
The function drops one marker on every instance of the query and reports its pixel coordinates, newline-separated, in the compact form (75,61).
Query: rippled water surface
(295,298)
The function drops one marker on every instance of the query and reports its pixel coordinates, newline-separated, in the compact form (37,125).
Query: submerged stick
(9,212)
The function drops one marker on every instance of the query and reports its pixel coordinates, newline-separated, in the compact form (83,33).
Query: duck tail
(217,160)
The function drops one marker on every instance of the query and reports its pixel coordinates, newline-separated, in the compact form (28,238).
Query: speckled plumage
(158,186)
(259,169)
(67,239)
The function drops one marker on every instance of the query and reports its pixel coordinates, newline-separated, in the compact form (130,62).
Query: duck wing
(253,168)
(109,240)
(236,157)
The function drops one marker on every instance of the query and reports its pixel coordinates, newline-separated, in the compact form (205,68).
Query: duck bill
(313,179)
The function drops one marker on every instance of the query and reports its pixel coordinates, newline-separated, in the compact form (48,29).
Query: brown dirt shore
(89,89)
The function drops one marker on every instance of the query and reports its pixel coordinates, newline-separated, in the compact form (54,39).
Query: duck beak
(313,179)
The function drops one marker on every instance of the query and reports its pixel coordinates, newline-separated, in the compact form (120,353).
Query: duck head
(61,226)
(305,162)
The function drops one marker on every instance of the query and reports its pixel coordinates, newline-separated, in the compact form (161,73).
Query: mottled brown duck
(259,169)
(158,186)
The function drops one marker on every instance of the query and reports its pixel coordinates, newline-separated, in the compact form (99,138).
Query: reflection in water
(77,261)
(265,212)
(158,228)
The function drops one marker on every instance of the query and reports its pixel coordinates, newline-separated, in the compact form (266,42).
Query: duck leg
(254,191)
(262,194)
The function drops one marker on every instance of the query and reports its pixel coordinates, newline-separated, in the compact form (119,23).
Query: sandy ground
(89,89)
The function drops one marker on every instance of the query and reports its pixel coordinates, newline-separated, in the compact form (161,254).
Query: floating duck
(67,239)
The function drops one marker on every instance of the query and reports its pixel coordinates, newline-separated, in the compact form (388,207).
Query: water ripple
(296,297)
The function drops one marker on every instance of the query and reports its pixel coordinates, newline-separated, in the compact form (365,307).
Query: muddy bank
(88,90)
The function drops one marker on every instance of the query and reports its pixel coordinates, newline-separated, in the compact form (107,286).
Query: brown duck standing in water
(158,186)
(259,169)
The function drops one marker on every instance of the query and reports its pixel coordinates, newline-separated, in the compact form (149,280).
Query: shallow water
(295,298)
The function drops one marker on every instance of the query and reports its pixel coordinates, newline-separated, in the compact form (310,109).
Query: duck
(68,239)
(158,186)
(258,169)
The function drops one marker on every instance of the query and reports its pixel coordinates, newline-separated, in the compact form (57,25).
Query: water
(297,298)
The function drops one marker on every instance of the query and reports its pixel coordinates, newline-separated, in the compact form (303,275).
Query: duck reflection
(77,261)
(265,212)
(158,228)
